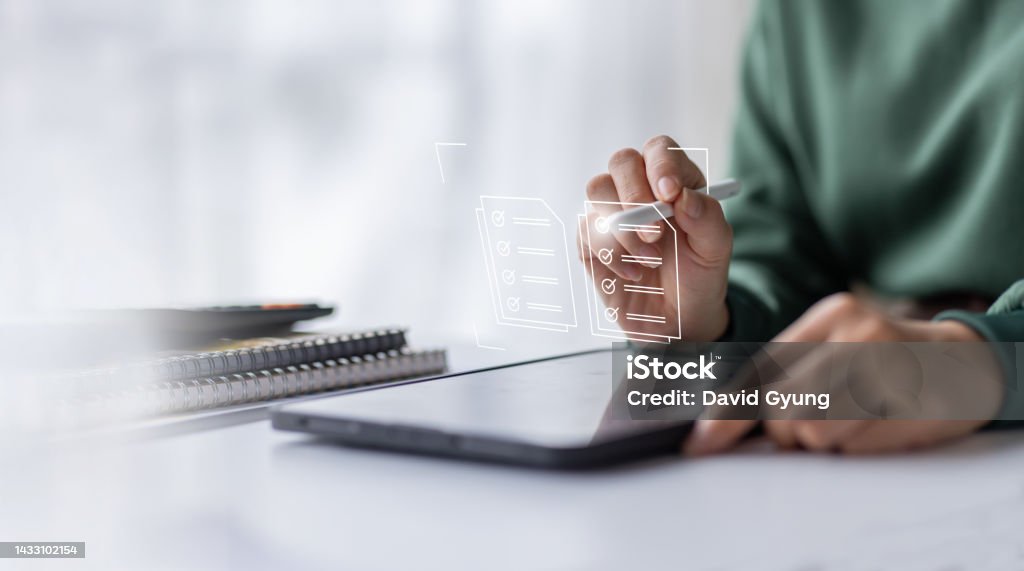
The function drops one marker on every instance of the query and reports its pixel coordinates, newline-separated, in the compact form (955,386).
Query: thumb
(702,220)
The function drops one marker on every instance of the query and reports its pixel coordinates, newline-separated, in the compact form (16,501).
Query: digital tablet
(551,413)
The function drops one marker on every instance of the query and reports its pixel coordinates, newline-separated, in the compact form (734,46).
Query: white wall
(210,151)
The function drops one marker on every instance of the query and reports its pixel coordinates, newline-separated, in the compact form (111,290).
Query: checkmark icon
(611,313)
(504,248)
(512,303)
(606,256)
(508,276)
(602,225)
(498,218)
(608,286)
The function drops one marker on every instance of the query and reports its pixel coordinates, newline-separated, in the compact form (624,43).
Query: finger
(887,436)
(781,432)
(702,220)
(710,436)
(669,169)
(626,167)
(627,170)
(800,369)
(603,194)
(825,435)
(605,252)
(884,436)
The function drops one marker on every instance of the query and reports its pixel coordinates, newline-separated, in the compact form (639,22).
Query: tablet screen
(558,403)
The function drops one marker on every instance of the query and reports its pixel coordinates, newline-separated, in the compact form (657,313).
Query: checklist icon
(614,302)
(526,254)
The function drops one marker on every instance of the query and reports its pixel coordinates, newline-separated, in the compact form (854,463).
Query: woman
(879,147)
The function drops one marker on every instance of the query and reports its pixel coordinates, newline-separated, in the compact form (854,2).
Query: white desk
(249,497)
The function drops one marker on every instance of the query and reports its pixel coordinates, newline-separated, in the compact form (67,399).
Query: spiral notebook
(252,371)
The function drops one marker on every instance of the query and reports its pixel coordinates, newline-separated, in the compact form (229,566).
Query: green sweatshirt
(881,142)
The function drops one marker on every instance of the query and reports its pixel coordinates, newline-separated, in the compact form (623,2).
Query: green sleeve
(1002,324)
(781,264)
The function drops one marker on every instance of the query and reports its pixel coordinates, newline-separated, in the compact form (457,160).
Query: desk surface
(246,496)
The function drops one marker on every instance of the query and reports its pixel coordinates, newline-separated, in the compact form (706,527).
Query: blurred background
(179,152)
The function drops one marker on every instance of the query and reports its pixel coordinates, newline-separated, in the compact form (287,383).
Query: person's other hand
(949,406)
(703,236)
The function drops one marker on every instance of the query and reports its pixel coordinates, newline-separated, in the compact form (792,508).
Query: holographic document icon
(641,310)
(527,258)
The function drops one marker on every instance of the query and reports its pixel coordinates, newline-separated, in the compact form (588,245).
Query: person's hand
(703,236)
(951,404)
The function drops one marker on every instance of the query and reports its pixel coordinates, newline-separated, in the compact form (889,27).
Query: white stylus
(721,190)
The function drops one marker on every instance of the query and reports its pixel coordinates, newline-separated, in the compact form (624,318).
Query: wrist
(711,325)
(952,330)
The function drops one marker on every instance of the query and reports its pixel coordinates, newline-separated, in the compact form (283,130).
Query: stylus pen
(721,190)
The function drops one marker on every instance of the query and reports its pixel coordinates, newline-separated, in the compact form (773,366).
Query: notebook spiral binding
(275,353)
(207,393)
(278,355)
